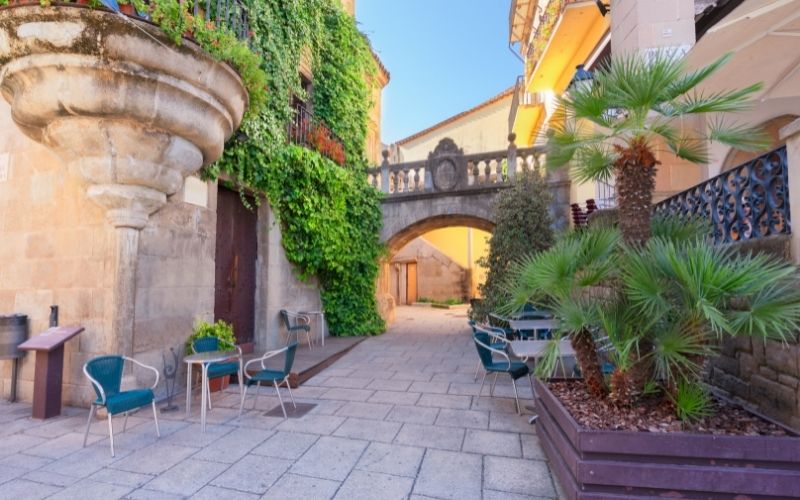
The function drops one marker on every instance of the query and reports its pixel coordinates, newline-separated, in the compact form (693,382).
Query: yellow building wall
(464,246)
(481,131)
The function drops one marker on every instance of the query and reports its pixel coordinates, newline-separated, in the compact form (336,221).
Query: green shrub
(523,226)
(220,330)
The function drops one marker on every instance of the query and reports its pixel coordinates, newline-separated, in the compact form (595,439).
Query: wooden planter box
(594,464)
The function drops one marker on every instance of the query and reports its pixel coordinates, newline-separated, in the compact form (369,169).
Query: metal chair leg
(258,391)
(155,418)
(111,434)
(477,369)
(88,424)
(494,381)
(480,391)
(241,405)
(280,400)
(125,423)
(289,388)
(516,396)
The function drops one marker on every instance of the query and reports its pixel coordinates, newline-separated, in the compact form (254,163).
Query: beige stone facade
(94,213)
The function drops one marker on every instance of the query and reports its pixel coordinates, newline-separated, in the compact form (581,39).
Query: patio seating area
(398,414)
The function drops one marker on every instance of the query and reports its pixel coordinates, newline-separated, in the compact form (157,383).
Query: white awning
(764,36)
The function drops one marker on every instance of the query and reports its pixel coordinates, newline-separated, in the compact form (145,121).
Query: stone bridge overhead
(453,189)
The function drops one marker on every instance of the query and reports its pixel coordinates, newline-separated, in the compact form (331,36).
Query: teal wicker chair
(222,369)
(498,341)
(105,374)
(276,377)
(516,369)
(296,323)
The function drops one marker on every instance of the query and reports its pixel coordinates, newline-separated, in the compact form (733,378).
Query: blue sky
(444,56)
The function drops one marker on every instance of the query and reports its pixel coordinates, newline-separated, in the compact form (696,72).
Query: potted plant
(221,330)
(645,305)
(643,320)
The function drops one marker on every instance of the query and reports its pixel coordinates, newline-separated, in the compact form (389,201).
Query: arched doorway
(435,259)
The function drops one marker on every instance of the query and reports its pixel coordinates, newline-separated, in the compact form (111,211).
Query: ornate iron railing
(747,202)
(448,169)
(229,13)
(307,131)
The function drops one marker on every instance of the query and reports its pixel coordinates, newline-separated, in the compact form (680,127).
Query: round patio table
(534,350)
(204,359)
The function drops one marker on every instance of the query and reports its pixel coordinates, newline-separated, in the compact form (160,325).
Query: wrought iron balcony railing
(231,14)
(307,131)
(748,202)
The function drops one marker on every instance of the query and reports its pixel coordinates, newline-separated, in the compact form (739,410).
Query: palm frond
(677,353)
(738,136)
(690,149)
(594,162)
(692,79)
(731,101)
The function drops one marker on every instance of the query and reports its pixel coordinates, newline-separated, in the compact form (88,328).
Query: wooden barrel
(13,332)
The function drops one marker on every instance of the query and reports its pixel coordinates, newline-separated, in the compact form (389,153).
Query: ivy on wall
(329,216)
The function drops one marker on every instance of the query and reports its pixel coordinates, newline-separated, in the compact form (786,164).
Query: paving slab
(363,485)
(286,445)
(514,475)
(187,477)
(330,458)
(368,430)
(391,459)
(294,487)
(252,474)
(450,475)
(431,436)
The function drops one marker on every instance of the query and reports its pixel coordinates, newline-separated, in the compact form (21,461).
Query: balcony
(229,13)
(307,131)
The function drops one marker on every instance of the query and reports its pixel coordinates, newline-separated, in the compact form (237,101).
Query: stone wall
(278,286)
(438,276)
(54,249)
(764,374)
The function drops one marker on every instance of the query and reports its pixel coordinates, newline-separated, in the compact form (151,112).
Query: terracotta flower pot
(128,9)
(219,384)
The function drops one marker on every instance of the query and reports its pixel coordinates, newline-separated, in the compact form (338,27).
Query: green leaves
(330,219)
(639,100)
(662,306)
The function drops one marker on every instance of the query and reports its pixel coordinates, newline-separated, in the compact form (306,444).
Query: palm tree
(615,125)
(661,306)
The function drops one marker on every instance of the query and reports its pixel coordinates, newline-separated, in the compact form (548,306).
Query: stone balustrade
(448,169)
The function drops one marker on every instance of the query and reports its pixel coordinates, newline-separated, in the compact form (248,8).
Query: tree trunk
(586,354)
(635,171)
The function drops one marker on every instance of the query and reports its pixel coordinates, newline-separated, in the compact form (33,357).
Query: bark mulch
(657,414)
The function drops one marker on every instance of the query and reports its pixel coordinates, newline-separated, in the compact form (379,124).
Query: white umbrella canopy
(764,36)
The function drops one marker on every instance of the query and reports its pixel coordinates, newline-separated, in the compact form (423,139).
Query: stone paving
(397,417)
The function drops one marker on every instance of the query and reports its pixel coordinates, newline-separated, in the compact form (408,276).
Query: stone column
(643,25)
(126,110)
(791,134)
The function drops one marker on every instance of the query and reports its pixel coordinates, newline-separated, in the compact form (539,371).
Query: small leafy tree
(523,226)
(614,126)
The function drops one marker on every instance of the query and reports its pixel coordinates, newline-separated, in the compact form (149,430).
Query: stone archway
(399,238)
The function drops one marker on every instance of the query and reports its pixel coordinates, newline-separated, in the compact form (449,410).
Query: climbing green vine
(330,218)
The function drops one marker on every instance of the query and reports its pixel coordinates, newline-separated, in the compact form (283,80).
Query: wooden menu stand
(49,347)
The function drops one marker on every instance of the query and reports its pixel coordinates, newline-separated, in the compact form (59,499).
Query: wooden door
(411,282)
(237,248)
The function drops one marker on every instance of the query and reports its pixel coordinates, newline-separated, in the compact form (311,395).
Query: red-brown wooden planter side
(595,465)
